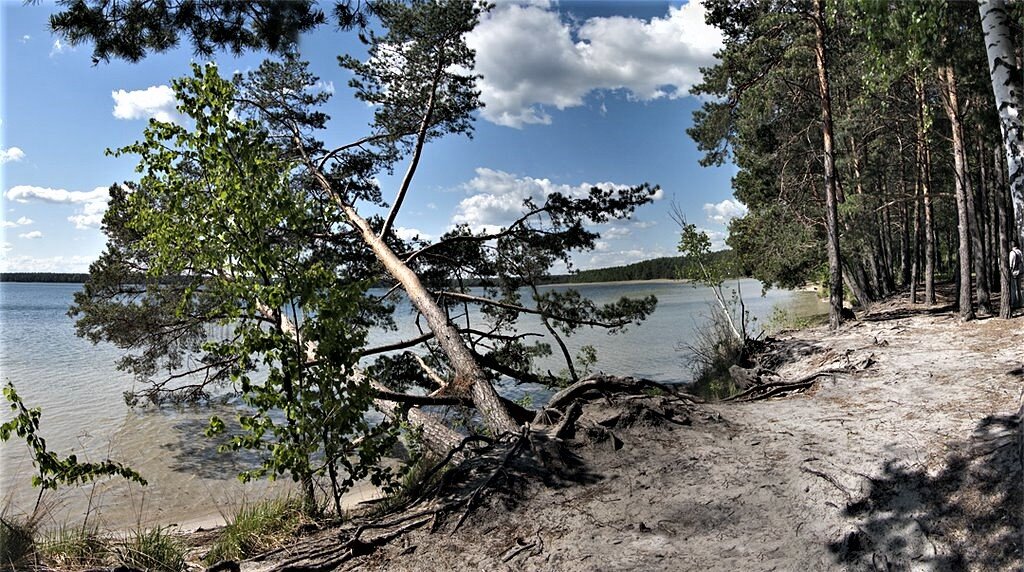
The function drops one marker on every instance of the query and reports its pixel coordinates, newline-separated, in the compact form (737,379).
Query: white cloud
(59,47)
(25,38)
(616,232)
(94,202)
(31,235)
(532,60)
(91,215)
(156,102)
(22,221)
(621,257)
(11,154)
(716,237)
(496,197)
(5,247)
(724,211)
(411,233)
(48,264)
(26,193)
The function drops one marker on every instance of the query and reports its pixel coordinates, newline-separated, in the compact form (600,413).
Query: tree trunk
(996,25)
(962,186)
(469,378)
(835,282)
(1005,223)
(978,206)
(924,175)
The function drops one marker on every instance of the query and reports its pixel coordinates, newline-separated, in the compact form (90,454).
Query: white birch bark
(996,26)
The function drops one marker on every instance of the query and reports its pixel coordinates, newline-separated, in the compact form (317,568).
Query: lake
(80,393)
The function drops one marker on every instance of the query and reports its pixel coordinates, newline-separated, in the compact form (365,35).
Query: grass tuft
(154,550)
(713,350)
(17,542)
(256,528)
(72,548)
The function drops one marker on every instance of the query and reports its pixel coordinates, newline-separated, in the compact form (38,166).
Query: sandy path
(910,465)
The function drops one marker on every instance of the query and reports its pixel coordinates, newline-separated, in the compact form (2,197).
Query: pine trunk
(835,294)
(962,187)
(1005,207)
(924,174)
(469,378)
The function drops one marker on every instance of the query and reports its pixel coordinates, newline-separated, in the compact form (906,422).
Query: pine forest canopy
(867,130)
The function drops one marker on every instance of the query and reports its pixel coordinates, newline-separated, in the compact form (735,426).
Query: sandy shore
(911,464)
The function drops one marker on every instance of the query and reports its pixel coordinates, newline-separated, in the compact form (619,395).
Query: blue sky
(577,94)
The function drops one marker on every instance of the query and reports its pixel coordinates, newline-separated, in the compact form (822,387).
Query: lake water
(80,392)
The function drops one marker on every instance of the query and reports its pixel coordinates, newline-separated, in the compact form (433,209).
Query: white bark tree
(996,26)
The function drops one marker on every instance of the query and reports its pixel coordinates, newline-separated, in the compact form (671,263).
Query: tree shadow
(907,312)
(968,515)
(193,453)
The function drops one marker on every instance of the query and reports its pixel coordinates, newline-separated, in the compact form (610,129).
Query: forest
(872,151)
(878,152)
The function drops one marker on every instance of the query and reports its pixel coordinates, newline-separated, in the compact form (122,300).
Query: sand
(913,463)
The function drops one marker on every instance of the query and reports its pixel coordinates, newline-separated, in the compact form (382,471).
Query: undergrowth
(154,550)
(712,351)
(256,528)
(17,542)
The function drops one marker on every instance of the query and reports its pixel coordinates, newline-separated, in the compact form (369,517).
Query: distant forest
(666,268)
(61,277)
(669,267)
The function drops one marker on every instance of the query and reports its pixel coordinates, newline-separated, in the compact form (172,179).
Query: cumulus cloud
(716,237)
(157,102)
(26,193)
(411,233)
(31,235)
(22,221)
(91,215)
(47,264)
(724,211)
(5,247)
(11,154)
(532,60)
(94,202)
(25,38)
(620,257)
(496,197)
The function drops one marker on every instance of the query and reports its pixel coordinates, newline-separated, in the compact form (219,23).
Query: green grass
(69,548)
(154,550)
(17,542)
(256,528)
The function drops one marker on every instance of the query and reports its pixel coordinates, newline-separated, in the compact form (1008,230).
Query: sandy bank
(912,464)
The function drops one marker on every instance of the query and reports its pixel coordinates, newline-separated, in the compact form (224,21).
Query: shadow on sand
(967,516)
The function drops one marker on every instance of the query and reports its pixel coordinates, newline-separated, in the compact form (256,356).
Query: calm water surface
(80,392)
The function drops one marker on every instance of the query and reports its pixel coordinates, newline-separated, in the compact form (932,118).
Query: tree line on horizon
(875,143)
(662,268)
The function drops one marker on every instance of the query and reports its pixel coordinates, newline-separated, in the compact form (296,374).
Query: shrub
(713,350)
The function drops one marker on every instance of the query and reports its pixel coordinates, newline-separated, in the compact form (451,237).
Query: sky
(577,93)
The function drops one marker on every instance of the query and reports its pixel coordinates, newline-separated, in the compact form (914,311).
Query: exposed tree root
(758,388)
(475,473)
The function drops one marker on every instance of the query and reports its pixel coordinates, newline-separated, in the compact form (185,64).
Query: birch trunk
(996,26)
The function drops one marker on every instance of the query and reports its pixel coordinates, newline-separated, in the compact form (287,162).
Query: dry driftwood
(773,388)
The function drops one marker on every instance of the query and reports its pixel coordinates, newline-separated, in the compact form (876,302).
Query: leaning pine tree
(243,219)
